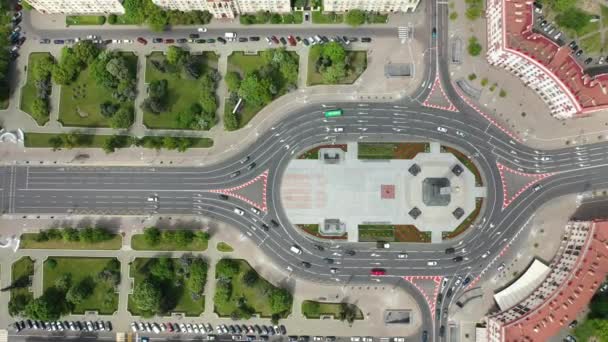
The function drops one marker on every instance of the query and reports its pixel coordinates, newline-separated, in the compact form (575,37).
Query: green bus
(333,113)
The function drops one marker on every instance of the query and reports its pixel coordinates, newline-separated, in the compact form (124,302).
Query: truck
(230,36)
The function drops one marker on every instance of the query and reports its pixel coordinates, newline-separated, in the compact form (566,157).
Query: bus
(333,113)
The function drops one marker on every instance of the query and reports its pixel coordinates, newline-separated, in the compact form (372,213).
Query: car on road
(501,267)
(485,255)
(256,210)
(194,35)
(157,40)
(378,272)
(431,263)
(306,264)
(239,211)
(338,129)
(466,281)
(457,258)
(235,174)
(450,250)
(251,166)
(329,261)
(442,129)
(182,41)
(243,39)
(383,245)
(434,32)
(224,197)
(449,293)
(402,255)
(265,227)
(141,40)
(202,29)
(295,249)
(59,41)
(333,270)
(200,41)
(45,41)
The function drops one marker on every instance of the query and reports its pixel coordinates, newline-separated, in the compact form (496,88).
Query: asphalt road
(123,190)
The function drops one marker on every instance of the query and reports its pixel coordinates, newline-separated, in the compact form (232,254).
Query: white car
(239,211)
(431,263)
(444,283)
(501,267)
(442,129)
(402,256)
(460,133)
(202,29)
(127,41)
(485,255)
(338,129)
(458,281)
(333,270)
(115,41)
(256,210)
(91,36)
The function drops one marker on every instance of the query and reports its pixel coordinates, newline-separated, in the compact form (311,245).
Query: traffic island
(397,191)
(340,311)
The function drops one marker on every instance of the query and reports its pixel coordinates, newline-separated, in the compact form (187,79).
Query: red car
(169,41)
(292,40)
(274,39)
(142,41)
(378,272)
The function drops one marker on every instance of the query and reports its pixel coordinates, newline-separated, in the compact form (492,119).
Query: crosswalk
(405,33)
(3,335)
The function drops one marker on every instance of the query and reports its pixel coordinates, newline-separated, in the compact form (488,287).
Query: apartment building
(78,6)
(370,5)
(541,63)
(226,8)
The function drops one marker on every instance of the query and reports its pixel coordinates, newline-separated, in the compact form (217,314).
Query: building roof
(589,93)
(523,286)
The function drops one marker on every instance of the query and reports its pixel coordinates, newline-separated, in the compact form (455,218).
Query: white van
(295,249)
(230,36)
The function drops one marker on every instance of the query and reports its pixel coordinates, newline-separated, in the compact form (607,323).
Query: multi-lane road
(187,190)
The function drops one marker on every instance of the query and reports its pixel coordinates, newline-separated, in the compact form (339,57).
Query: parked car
(141,40)
(59,41)
(221,40)
(274,39)
(201,41)
(366,40)
(182,41)
(292,40)
(283,40)
(169,41)
(243,39)
(254,39)
(157,40)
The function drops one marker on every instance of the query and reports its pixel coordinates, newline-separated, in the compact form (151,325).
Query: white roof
(481,334)
(523,286)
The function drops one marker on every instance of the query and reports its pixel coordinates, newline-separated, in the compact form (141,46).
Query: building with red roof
(542,64)
(578,269)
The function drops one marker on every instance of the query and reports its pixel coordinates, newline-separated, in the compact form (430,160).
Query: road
(181,190)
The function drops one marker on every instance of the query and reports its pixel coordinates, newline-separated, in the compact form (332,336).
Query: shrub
(474,47)
(472,77)
(112,18)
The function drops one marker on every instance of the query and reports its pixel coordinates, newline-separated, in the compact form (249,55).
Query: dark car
(449,293)
(254,39)
(434,33)
(329,261)
(265,227)
(243,39)
(457,258)
(274,39)
(579,52)
(224,197)
(350,252)
(194,35)
(200,41)
(305,42)
(319,247)
(306,16)
(109,326)
(45,41)
(274,223)
(141,40)
(439,298)
(157,40)
(221,40)
(353,39)
(543,23)
(14,56)
(169,41)
(324,39)
(588,60)
(450,250)
(182,41)
(21,41)
(366,40)
(251,166)
(283,40)
(442,331)
(425,336)
(306,264)
(572,44)
(235,173)
(466,280)
(210,40)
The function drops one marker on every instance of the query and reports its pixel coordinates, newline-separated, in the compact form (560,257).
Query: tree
(112,19)
(51,263)
(573,18)
(152,236)
(474,47)
(162,268)
(202,235)
(231,121)
(208,102)
(175,54)
(198,276)
(334,51)
(348,312)
(108,109)
(40,109)
(17,304)
(255,90)
(355,17)
(250,278)
(334,73)
(123,118)
(56,143)
(183,236)
(226,268)
(79,292)
(276,18)
(118,68)
(85,51)
(191,67)
(47,307)
(233,80)
(147,296)
(280,300)
(70,235)
(223,292)
(43,67)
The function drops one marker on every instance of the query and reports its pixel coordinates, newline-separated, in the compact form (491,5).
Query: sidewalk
(522,110)
(371,299)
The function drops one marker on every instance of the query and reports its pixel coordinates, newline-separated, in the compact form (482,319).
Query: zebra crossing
(404,33)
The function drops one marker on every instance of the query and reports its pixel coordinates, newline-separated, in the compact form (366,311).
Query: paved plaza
(355,191)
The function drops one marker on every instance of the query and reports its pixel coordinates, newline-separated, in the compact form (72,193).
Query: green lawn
(592,43)
(358,62)
(243,63)
(28,241)
(79,104)
(81,269)
(22,269)
(28,91)
(604,10)
(85,20)
(319,17)
(224,247)
(138,243)
(314,310)
(182,92)
(257,296)
(124,20)
(376,232)
(390,150)
(376,18)
(182,302)
(93,141)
